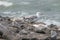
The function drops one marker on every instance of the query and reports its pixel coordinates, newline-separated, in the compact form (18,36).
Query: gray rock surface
(24,30)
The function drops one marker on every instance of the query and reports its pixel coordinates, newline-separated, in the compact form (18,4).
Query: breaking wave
(4,3)
(41,17)
(48,22)
(25,3)
(9,12)
(45,20)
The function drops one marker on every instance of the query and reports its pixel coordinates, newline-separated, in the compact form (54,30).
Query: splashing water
(4,3)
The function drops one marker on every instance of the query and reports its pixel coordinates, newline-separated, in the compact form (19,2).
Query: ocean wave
(25,3)
(45,20)
(48,22)
(4,3)
(38,14)
(6,12)
(9,12)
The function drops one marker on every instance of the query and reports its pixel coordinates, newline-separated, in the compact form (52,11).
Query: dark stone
(54,38)
(52,25)
(17,31)
(9,19)
(25,39)
(1,19)
(1,33)
(47,39)
(41,32)
(22,26)
(34,39)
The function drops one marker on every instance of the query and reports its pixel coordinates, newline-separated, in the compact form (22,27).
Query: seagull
(38,14)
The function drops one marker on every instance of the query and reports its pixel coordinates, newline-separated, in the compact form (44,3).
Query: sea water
(49,9)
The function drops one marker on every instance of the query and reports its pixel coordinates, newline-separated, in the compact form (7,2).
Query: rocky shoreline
(26,28)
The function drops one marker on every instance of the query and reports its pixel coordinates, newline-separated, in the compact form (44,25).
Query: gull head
(38,14)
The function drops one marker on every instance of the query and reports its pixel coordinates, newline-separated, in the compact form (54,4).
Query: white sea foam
(48,22)
(6,12)
(4,3)
(9,12)
(23,13)
(25,3)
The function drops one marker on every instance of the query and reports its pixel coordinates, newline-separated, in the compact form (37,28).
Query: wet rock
(54,31)
(25,39)
(53,27)
(30,19)
(1,34)
(53,35)
(41,32)
(26,29)
(33,39)
(24,32)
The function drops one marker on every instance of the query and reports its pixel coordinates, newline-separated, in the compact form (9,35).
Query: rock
(53,35)
(53,27)
(30,19)
(24,32)
(2,39)
(41,28)
(26,28)
(1,34)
